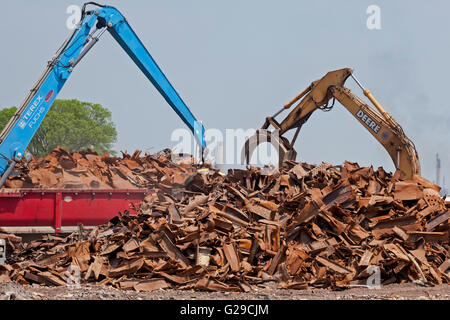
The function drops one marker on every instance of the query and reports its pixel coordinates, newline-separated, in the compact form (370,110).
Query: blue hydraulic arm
(23,125)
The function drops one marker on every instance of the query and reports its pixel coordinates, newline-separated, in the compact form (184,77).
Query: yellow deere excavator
(317,96)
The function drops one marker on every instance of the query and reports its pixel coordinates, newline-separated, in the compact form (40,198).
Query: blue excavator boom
(19,131)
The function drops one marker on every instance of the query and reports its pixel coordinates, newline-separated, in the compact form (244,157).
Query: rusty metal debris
(305,227)
(88,170)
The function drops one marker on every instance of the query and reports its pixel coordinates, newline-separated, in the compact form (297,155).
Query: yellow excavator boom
(317,96)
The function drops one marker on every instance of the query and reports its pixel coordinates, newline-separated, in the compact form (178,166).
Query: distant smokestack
(438,170)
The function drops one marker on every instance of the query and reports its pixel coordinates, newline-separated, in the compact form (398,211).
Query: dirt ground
(14,291)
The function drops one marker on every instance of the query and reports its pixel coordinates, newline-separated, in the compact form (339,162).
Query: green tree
(73,125)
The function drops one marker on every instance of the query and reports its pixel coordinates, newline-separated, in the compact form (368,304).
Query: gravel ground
(14,291)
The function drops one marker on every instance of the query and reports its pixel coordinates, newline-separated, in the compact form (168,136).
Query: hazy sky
(235,62)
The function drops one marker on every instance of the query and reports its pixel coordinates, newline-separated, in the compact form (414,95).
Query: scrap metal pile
(88,170)
(304,227)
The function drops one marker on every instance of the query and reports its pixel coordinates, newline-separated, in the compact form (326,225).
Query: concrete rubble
(304,226)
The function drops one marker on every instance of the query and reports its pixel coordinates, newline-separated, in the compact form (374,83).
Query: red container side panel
(56,208)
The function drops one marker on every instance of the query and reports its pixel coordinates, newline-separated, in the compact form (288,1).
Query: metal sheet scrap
(303,227)
(88,170)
